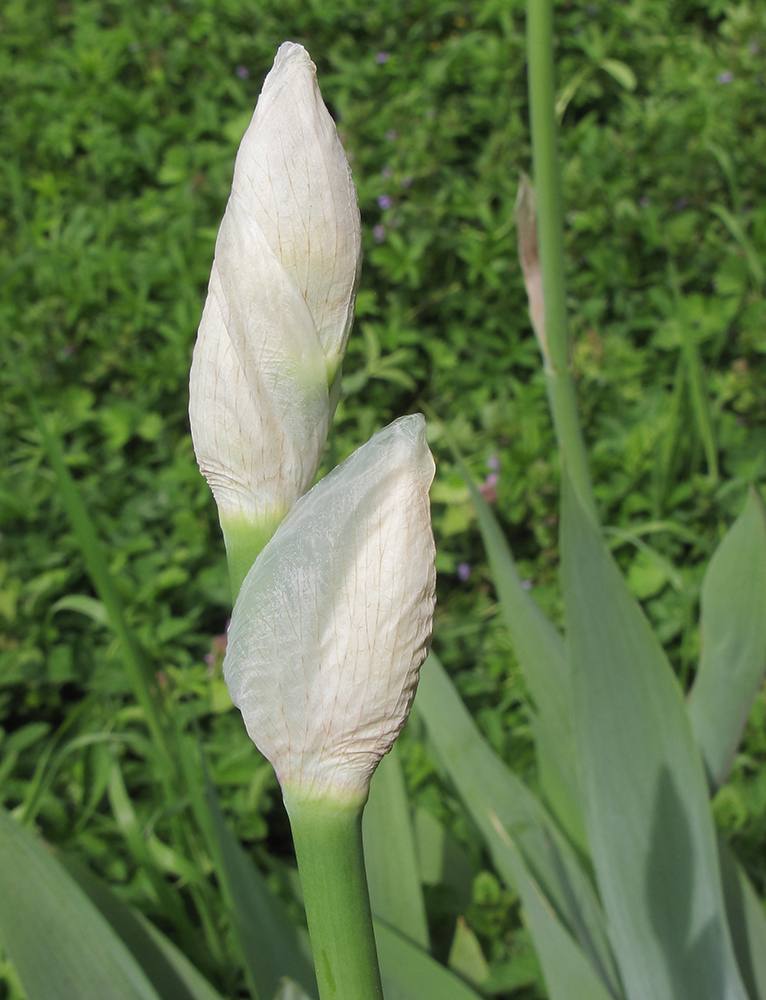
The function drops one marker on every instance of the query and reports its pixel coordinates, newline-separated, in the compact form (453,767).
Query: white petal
(259,406)
(292,166)
(334,619)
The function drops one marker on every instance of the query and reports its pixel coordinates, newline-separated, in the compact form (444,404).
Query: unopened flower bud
(334,619)
(280,304)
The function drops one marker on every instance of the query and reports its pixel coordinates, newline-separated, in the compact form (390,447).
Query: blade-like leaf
(396,896)
(443,861)
(523,842)
(541,653)
(649,823)
(568,973)
(168,969)
(733,656)
(409,973)
(269,939)
(747,921)
(60,945)
(466,957)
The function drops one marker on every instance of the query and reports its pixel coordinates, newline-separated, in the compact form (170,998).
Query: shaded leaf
(649,822)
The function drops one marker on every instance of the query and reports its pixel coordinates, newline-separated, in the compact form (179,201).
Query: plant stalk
(328,846)
(556,347)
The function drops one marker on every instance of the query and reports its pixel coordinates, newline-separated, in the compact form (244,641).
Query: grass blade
(733,658)
(396,896)
(651,832)
(60,945)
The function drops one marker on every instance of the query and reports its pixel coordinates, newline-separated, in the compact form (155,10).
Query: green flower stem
(328,845)
(550,233)
(244,542)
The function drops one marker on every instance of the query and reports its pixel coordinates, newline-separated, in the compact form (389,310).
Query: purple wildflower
(726,77)
(381,58)
(379,234)
(384,201)
(242,72)
(464,571)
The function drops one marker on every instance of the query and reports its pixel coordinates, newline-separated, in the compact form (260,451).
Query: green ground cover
(118,127)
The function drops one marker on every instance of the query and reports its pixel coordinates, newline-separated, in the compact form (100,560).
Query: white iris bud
(334,619)
(280,304)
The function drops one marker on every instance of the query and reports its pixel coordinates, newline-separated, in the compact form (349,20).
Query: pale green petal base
(328,846)
(244,540)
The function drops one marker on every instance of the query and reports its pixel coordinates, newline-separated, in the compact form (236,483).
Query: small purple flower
(67,350)
(391,134)
(386,172)
(726,77)
(381,58)
(406,182)
(464,571)
(493,462)
(754,48)
(526,584)
(644,202)
(242,72)
(384,201)
(681,203)
(379,234)
(492,479)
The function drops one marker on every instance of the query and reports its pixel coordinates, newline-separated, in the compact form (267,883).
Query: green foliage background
(119,122)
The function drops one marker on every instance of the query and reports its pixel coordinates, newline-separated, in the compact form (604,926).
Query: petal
(334,619)
(292,169)
(259,406)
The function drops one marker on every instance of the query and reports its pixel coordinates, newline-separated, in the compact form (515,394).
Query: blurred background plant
(119,126)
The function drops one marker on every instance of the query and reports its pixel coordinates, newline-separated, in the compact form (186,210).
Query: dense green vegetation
(119,126)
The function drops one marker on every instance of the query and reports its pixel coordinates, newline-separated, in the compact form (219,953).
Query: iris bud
(334,619)
(266,367)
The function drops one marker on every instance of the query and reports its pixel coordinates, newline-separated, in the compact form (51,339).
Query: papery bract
(280,305)
(334,618)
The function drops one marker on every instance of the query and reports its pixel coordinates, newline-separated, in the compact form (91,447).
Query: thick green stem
(328,845)
(550,233)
